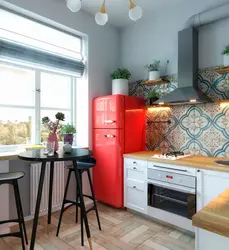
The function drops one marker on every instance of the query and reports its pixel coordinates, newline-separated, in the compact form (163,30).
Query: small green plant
(154,66)
(226,51)
(121,74)
(153,94)
(67,129)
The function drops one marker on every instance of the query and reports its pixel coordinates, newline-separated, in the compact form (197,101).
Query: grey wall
(157,37)
(24,187)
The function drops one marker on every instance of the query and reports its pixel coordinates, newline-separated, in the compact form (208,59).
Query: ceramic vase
(53,138)
(226,60)
(120,86)
(68,138)
(154,75)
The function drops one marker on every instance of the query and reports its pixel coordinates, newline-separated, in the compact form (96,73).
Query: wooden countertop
(194,161)
(215,216)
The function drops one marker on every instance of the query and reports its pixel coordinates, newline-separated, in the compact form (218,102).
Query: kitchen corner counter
(194,161)
(214,217)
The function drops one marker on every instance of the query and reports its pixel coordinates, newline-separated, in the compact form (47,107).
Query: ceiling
(118,9)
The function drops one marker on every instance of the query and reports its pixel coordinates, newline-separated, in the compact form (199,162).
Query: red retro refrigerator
(118,128)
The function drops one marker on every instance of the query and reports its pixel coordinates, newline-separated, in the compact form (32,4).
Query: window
(28,95)
(40,71)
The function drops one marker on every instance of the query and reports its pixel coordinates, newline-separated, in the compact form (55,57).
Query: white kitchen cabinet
(135,184)
(210,184)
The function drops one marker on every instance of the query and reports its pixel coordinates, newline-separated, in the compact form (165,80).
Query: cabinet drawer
(135,185)
(135,163)
(135,196)
(135,173)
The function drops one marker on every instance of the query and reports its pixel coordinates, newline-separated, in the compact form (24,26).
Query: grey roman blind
(35,43)
(35,56)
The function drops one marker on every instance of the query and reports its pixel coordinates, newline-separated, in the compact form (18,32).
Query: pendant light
(135,12)
(101,17)
(74,5)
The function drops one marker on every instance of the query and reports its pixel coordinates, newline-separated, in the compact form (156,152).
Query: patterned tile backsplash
(201,129)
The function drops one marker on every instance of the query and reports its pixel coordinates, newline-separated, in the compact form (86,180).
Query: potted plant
(67,131)
(53,127)
(225,54)
(153,97)
(120,78)
(154,70)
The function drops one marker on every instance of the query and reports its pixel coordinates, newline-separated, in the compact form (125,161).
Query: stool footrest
(9,221)
(16,234)
(90,209)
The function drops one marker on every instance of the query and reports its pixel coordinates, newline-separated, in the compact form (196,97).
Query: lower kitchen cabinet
(210,184)
(135,185)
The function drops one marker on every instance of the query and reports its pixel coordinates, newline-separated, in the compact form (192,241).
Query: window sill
(13,155)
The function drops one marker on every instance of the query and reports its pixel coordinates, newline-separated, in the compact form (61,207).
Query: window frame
(36,128)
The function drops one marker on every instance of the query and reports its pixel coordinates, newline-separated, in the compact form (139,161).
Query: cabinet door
(135,195)
(210,184)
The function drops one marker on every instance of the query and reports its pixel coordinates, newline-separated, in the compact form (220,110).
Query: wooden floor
(121,230)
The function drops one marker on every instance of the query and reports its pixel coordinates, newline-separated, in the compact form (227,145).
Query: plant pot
(152,100)
(154,75)
(53,138)
(120,86)
(226,60)
(68,138)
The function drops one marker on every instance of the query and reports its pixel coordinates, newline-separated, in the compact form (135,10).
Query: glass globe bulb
(74,5)
(135,13)
(101,18)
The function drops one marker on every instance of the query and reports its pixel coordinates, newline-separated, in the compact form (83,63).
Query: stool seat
(11,176)
(83,164)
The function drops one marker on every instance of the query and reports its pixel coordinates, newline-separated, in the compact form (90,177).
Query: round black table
(38,156)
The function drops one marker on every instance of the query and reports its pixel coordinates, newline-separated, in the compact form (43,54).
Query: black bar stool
(83,166)
(12,179)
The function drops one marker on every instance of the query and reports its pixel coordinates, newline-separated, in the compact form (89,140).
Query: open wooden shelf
(155,82)
(223,70)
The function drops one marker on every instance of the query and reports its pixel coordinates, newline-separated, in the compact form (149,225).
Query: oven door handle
(176,169)
(172,187)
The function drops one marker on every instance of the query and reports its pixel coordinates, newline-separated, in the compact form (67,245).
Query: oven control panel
(170,177)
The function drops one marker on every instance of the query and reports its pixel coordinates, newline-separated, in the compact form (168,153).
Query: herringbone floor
(121,230)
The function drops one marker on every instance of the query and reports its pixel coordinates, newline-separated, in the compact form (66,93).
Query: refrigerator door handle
(109,136)
(109,121)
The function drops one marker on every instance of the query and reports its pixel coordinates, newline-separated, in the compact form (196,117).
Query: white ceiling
(118,9)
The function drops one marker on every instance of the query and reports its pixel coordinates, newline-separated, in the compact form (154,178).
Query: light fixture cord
(103,9)
(132,5)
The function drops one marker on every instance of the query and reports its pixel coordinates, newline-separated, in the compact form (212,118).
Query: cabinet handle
(134,168)
(134,162)
(134,186)
(110,136)
(198,170)
(109,121)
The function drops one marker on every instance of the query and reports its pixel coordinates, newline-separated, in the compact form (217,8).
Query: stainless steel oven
(172,191)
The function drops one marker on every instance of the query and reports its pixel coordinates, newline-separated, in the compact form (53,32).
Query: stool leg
(65,195)
(21,210)
(77,207)
(82,205)
(50,192)
(19,213)
(93,196)
(81,214)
